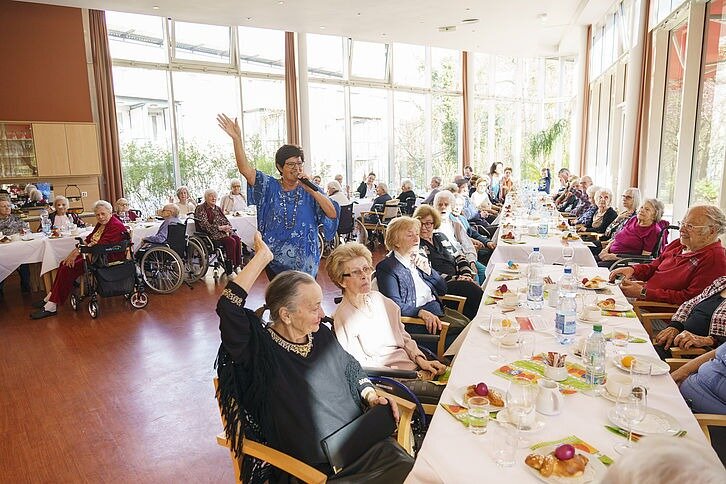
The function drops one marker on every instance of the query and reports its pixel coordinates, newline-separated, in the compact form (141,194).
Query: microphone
(310,184)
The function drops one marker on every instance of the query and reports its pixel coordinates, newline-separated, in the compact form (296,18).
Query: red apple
(584,280)
(481,389)
(503,288)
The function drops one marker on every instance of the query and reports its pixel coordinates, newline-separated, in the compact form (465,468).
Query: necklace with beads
(302,349)
(286,219)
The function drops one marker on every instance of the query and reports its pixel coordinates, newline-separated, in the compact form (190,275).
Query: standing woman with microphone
(289,208)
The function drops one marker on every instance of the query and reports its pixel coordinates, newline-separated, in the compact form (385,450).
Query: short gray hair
(180,189)
(635,193)
(102,204)
(209,191)
(658,206)
(172,207)
(383,186)
(59,198)
(35,195)
(444,194)
(234,181)
(604,190)
(436,179)
(283,291)
(407,184)
(451,188)
(334,185)
(592,191)
(715,215)
(661,459)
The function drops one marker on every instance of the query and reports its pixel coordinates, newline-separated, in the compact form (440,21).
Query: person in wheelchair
(170,213)
(216,225)
(122,208)
(368,324)
(379,203)
(108,230)
(289,384)
(407,197)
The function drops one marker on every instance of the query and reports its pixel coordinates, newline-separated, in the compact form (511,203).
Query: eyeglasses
(690,226)
(365,271)
(627,196)
(294,163)
(427,224)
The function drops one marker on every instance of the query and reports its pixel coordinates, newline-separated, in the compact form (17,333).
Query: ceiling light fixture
(467,21)
(447,28)
(542,17)
(322,27)
(281,2)
(155,7)
(249,18)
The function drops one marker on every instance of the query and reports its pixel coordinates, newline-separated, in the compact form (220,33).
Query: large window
(410,133)
(369,132)
(710,154)
(327,131)
(672,114)
(166,108)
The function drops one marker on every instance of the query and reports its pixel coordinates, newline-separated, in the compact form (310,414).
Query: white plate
(658,366)
(539,422)
(655,422)
(619,306)
(491,294)
(594,470)
(602,285)
(581,319)
(459,398)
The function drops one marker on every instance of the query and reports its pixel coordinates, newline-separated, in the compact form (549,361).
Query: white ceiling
(508,27)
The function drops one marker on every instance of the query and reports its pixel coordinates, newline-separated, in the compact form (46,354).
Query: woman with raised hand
(289,208)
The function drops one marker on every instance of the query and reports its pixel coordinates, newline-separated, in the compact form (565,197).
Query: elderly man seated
(686,266)
(335,193)
(11,224)
(170,212)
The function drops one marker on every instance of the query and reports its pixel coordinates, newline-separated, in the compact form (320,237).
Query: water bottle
(535,280)
(594,359)
(543,227)
(567,284)
(565,325)
(45,222)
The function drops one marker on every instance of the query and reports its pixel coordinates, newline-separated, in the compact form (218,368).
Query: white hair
(235,181)
(172,207)
(100,204)
(715,215)
(635,193)
(209,191)
(604,190)
(407,184)
(35,195)
(666,460)
(444,194)
(334,185)
(60,198)
(383,186)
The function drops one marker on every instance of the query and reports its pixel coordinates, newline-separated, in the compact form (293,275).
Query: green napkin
(632,339)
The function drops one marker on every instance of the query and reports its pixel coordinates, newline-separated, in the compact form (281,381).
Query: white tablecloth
(363,205)
(550,247)
(50,252)
(451,454)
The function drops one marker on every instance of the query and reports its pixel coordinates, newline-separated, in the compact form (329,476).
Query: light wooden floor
(124,398)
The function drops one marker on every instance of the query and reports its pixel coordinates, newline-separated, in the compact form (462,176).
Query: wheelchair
(349,229)
(106,275)
(213,252)
(181,260)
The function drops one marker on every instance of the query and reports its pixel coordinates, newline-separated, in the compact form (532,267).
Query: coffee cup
(556,373)
(549,399)
(591,313)
(618,384)
(510,337)
(532,229)
(510,299)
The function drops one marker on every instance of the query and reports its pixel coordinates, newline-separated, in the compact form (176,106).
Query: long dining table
(452,454)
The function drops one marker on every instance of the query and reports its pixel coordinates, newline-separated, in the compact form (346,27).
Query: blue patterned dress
(288,222)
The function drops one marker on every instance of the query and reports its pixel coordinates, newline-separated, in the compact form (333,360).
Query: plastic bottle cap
(536,249)
(568,270)
(597,328)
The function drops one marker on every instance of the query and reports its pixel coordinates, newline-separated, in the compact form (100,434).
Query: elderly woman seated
(445,260)
(368,324)
(336,194)
(686,267)
(122,209)
(445,202)
(290,384)
(406,277)
(11,224)
(602,212)
(585,217)
(630,205)
(235,200)
(638,236)
(108,230)
(407,197)
(185,204)
(698,323)
(35,199)
(701,382)
(211,220)
(61,217)
(170,213)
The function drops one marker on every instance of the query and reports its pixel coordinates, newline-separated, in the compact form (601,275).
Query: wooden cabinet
(82,149)
(51,152)
(66,149)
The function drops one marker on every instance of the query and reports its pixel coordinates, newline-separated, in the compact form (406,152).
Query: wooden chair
(454,302)
(298,468)
(649,311)
(390,211)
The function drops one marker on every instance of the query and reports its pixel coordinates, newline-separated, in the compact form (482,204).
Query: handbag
(348,443)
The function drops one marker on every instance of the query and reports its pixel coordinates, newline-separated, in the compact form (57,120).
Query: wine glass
(620,338)
(640,371)
(520,401)
(568,253)
(497,332)
(632,408)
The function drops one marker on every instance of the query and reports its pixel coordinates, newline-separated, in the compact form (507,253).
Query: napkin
(632,339)
(619,314)
(579,444)
(460,413)
(490,300)
(506,277)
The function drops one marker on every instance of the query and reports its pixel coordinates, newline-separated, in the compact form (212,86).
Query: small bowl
(556,373)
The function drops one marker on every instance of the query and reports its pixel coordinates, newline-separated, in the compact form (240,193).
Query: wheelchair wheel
(93,309)
(360,234)
(75,302)
(322,246)
(162,269)
(196,263)
(139,299)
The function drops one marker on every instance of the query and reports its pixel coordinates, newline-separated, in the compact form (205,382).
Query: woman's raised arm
(234,131)
(249,273)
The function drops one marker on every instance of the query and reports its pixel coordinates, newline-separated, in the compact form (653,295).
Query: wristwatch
(642,293)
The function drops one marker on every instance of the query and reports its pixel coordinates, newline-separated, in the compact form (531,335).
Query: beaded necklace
(286,222)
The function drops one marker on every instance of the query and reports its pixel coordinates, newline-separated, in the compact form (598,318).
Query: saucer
(536,426)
